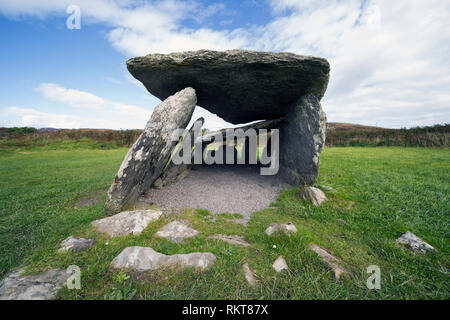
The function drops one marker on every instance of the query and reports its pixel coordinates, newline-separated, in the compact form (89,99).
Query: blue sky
(389,61)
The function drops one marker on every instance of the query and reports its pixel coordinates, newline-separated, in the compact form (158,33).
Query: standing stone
(302,137)
(147,158)
(172,172)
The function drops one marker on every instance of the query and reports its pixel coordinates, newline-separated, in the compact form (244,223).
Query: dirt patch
(220,189)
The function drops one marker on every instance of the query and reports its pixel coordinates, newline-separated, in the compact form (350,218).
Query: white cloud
(90,111)
(389,60)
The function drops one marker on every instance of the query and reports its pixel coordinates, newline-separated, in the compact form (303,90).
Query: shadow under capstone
(220,189)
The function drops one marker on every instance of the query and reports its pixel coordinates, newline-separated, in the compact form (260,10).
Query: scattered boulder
(414,243)
(302,137)
(239,86)
(126,222)
(42,286)
(280,264)
(315,195)
(330,261)
(177,231)
(146,259)
(148,156)
(237,240)
(76,244)
(287,228)
(341,221)
(249,275)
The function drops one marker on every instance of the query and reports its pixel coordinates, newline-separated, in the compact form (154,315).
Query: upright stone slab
(147,158)
(302,137)
(173,172)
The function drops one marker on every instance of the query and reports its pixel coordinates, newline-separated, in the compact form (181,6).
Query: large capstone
(147,158)
(302,137)
(238,85)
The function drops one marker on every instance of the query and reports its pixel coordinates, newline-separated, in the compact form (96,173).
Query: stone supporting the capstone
(302,137)
(147,158)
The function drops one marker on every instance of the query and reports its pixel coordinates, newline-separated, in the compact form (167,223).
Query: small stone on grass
(177,231)
(414,243)
(280,264)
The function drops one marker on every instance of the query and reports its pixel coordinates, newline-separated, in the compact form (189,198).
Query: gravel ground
(219,189)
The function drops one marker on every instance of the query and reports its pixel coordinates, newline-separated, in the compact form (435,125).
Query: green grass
(395,190)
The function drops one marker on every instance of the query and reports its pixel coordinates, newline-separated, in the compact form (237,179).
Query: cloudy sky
(390,60)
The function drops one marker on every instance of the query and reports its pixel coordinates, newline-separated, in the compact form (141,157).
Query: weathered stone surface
(158,184)
(414,243)
(127,222)
(330,261)
(177,231)
(302,137)
(146,259)
(280,264)
(316,196)
(76,244)
(147,158)
(42,286)
(238,85)
(287,228)
(249,275)
(172,172)
(237,240)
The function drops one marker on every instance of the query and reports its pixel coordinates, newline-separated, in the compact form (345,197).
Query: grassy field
(394,190)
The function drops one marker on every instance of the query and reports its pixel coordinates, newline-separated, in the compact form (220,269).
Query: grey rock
(280,264)
(287,228)
(330,261)
(237,240)
(414,243)
(158,184)
(174,173)
(238,85)
(316,196)
(76,244)
(302,137)
(177,231)
(249,275)
(42,286)
(148,156)
(126,222)
(341,221)
(146,259)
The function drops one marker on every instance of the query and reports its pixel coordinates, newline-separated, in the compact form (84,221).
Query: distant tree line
(338,135)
